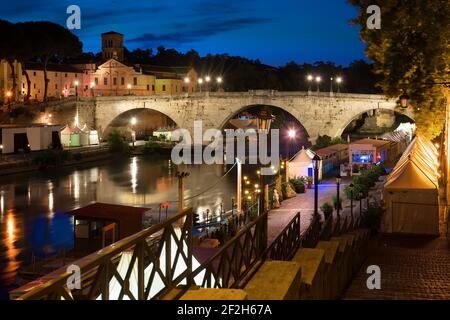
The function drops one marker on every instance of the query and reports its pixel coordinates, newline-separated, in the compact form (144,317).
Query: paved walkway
(412,267)
(303,203)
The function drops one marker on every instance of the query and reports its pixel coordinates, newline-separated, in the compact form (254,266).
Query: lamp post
(338,183)
(186,83)
(351,200)
(291,136)
(8,96)
(318,80)
(219,84)
(264,121)
(181,176)
(331,86)
(92,88)
(133,122)
(315,162)
(76,89)
(129,89)
(207,80)
(338,81)
(200,82)
(309,78)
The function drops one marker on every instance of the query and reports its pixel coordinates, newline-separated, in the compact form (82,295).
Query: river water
(33,206)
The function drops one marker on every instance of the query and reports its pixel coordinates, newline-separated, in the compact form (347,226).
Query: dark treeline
(242,74)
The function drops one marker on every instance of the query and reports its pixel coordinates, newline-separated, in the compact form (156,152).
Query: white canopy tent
(411,191)
(91,135)
(300,165)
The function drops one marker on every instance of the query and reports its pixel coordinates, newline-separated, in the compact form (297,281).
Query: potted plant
(336,204)
(309,181)
(327,210)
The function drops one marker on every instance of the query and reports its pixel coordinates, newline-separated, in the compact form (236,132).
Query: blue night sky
(276,32)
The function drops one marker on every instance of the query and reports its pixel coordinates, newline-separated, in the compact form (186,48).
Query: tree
(411,53)
(55,42)
(9,46)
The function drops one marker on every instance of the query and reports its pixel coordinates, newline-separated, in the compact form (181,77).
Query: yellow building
(64,81)
(6,81)
(173,80)
(114,78)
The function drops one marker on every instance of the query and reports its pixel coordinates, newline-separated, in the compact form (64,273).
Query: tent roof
(416,169)
(304,155)
(66,130)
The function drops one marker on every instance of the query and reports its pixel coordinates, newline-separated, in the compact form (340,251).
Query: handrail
(105,255)
(246,249)
(287,242)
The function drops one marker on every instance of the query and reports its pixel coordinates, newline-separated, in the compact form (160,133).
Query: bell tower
(112,46)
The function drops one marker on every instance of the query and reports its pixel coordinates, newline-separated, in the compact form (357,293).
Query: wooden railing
(228,267)
(287,242)
(145,265)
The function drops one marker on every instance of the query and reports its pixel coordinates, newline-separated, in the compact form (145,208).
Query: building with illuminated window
(366,152)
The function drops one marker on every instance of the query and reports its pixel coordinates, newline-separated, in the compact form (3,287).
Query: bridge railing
(145,265)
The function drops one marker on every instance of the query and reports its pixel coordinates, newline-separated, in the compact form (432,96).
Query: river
(34,206)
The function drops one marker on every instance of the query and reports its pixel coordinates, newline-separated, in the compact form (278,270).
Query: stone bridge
(318,113)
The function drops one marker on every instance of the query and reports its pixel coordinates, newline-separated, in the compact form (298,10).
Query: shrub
(52,157)
(116,143)
(327,210)
(371,217)
(335,203)
(298,185)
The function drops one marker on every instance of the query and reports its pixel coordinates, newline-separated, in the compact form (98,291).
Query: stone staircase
(323,271)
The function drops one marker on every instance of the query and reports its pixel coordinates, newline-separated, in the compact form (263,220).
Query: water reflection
(33,205)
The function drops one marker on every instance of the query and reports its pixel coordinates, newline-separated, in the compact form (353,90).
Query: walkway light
(129,89)
(318,80)
(315,162)
(219,79)
(207,78)
(187,80)
(264,121)
(309,77)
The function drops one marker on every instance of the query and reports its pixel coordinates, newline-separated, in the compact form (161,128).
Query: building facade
(108,76)
(7,76)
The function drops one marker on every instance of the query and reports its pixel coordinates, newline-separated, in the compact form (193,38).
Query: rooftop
(373,142)
(331,149)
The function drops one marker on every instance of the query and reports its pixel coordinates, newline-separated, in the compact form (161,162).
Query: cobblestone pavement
(412,267)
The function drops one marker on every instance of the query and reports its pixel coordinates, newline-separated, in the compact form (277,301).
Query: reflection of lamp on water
(133,122)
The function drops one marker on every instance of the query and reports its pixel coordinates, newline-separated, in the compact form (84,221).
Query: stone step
(275,280)
(214,294)
(312,263)
(332,260)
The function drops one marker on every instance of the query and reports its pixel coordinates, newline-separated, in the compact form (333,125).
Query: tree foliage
(411,52)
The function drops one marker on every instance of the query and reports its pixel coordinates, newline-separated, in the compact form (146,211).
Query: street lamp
(338,183)
(310,79)
(133,122)
(92,88)
(8,96)
(264,120)
(129,89)
(200,82)
(318,80)
(338,81)
(291,136)
(315,162)
(331,86)
(76,89)
(351,186)
(219,83)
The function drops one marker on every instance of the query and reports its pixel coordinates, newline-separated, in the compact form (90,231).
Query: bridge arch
(350,118)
